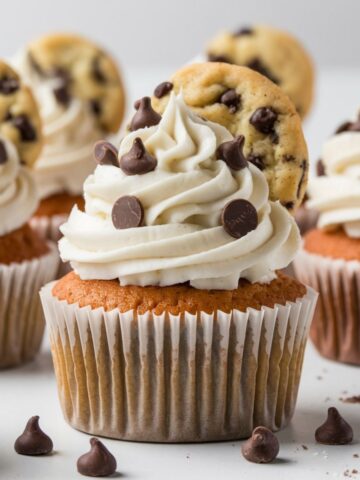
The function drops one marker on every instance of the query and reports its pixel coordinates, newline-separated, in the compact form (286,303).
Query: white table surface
(31,390)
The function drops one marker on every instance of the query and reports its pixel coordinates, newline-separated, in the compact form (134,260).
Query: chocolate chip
(257,160)
(288,205)
(304,170)
(62,94)
(263,119)
(3,153)
(98,462)
(343,127)
(261,447)
(105,153)
(27,131)
(33,441)
(259,67)
(231,99)
(163,89)
(137,160)
(335,430)
(239,217)
(95,107)
(97,72)
(320,168)
(218,58)
(288,158)
(243,31)
(9,85)
(127,212)
(145,115)
(232,153)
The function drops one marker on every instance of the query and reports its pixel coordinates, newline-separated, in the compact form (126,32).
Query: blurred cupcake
(81,98)
(330,259)
(176,326)
(275,54)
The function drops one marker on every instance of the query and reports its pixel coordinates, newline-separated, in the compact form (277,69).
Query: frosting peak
(183,198)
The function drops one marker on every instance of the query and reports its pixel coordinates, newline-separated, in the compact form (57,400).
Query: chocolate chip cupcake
(176,325)
(81,98)
(330,258)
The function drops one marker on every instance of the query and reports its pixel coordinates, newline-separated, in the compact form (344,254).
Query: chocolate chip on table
(137,160)
(3,153)
(231,99)
(33,441)
(27,131)
(145,115)
(97,72)
(105,153)
(263,119)
(320,168)
(243,31)
(212,57)
(62,94)
(239,217)
(261,447)
(257,160)
(163,89)
(259,67)
(335,430)
(232,153)
(98,462)
(9,85)
(127,212)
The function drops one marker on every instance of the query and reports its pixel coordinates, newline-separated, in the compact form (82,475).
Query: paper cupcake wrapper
(177,378)
(21,318)
(336,327)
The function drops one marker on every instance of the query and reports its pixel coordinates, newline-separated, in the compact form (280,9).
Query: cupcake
(81,99)
(27,261)
(330,258)
(175,325)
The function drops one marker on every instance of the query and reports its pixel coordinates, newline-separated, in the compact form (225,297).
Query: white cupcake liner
(21,319)
(177,378)
(336,327)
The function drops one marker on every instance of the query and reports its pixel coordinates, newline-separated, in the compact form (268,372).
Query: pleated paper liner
(21,318)
(336,327)
(177,378)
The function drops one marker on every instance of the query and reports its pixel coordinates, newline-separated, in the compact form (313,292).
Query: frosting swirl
(69,134)
(183,198)
(337,195)
(18,194)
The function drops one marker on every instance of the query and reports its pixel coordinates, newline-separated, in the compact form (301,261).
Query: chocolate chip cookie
(248,104)
(19,117)
(84,71)
(273,53)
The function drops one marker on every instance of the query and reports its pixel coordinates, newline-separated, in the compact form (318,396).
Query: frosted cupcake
(175,325)
(81,98)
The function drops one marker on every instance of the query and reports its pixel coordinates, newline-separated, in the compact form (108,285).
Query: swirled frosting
(183,198)
(337,195)
(69,134)
(18,194)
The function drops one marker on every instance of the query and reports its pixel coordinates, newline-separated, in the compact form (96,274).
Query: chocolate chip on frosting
(127,212)
(3,153)
(232,153)
(27,131)
(98,462)
(263,119)
(163,89)
(8,85)
(137,160)
(33,441)
(261,447)
(335,430)
(231,99)
(145,115)
(218,58)
(105,153)
(239,217)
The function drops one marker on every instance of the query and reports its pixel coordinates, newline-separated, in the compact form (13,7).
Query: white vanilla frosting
(183,239)
(337,195)
(18,194)
(69,134)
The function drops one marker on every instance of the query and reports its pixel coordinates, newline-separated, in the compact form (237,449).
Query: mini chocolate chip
(259,67)
(95,107)
(288,158)
(163,89)
(212,57)
(97,72)
(105,153)
(9,85)
(261,447)
(231,99)
(145,115)
(243,31)
(127,212)
(320,168)
(27,131)
(33,441)
(98,462)
(137,160)
(257,160)
(62,94)
(263,119)
(343,127)
(274,137)
(3,153)
(239,217)
(335,430)
(288,205)
(232,153)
